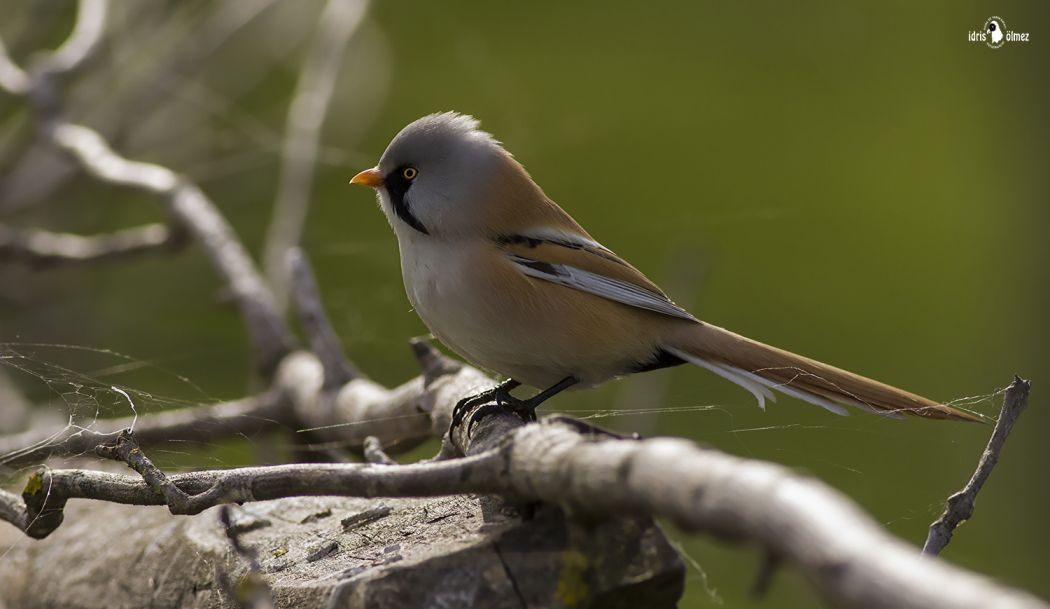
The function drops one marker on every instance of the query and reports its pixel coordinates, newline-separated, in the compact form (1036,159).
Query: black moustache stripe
(397,187)
(403,212)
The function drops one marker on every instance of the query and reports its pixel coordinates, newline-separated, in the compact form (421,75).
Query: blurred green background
(855,182)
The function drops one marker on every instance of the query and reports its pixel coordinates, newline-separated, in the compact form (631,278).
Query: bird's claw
(462,406)
(525,409)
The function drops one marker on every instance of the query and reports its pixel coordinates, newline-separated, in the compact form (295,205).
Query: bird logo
(996,32)
(995,27)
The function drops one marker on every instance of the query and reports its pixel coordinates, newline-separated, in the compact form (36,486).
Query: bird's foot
(464,405)
(500,394)
(526,409)
(523,409)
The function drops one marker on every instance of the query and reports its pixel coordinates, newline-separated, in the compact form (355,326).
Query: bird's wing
(578,262)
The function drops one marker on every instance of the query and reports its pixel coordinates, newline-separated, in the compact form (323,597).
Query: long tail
(759,368)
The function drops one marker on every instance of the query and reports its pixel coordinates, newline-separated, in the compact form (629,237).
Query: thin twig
(46,69)
(12,509)
(187,204)
(47,492)
(251,591)
(43,248)
(373,452)
(13,78)
(152,65)
(959,506)
(434,363)
(198,424)
(79,47)
(85,39)
(306,113)
(125,448)
(324,342)
(764,579)
(401,417)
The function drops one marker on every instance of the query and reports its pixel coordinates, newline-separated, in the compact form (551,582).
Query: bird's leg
(500,392)
(526,409)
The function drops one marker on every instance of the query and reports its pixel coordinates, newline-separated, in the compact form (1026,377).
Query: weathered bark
(461,551)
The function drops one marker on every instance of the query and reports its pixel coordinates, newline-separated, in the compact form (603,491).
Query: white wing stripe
(599,285)
(734,375)
(754,383)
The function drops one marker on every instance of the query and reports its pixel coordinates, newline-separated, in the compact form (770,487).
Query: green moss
(34,484)
(572,587)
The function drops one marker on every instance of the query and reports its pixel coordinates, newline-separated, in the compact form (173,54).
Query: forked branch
(959,506)
(44,248)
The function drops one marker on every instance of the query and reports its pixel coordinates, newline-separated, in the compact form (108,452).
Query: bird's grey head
(432,173)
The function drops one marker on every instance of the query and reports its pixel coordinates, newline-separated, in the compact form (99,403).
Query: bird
(996,30)
(508,280)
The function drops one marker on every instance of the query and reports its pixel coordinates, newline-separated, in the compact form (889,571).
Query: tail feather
(756,385)
(758,368)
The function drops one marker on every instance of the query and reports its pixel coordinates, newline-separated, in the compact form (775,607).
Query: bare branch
(41,248)
(44,72)
(13,79)
(192,209)
(796,519)
(202,423)
(435,364)
(306,113)
(251,591)
(373,452)
(83,41)
(187,204)
(125,448)
(959,506)
(400,418)
(846,555)
(48,491)
(851,560)
(150,75)
(12,509)
(198,214)
(324,342)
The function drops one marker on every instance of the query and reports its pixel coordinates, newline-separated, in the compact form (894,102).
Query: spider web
(67,400)
(72,400)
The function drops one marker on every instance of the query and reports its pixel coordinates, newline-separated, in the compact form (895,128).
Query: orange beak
(369,177)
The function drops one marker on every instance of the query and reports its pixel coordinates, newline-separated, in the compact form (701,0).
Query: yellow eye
(409,173)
